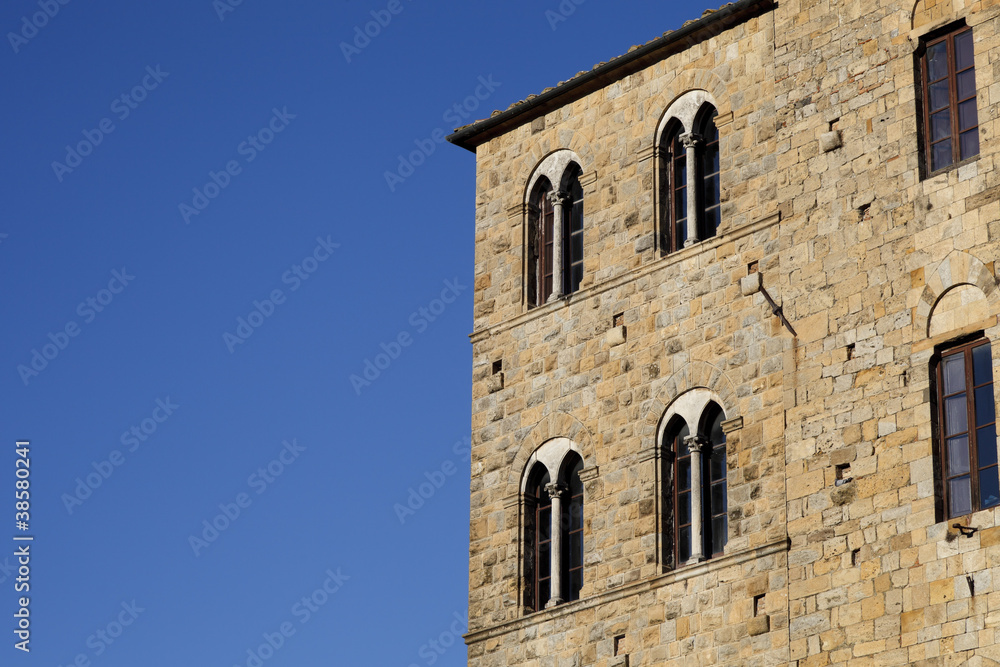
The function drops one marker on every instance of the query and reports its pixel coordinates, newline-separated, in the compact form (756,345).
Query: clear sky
(199,247)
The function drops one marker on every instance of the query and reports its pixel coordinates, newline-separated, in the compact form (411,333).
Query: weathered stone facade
(875,265)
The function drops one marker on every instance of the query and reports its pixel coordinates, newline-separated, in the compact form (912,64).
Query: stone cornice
(680,574)
(706,246)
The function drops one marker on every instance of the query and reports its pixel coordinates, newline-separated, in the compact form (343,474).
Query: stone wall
(823,195)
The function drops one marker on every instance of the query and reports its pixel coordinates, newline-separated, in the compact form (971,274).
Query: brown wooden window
(544,530)
(710,204)
(966,416)
(572,523)
(950,114)
(674,205)
(573,214)
(676,163)
(538,559)
(683,495)
(716,496)
(540,233)
(544,278)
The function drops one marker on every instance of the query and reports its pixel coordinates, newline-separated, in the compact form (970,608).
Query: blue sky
(199,248)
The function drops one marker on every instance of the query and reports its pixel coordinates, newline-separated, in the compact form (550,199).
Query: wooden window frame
(969,388)
(946,35)
(673,172)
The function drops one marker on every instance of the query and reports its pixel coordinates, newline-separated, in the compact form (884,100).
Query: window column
(558,199)
(556,492)
(691,141)
(696,444)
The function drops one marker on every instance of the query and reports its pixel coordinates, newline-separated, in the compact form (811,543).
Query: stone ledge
(659,581)
(630,276)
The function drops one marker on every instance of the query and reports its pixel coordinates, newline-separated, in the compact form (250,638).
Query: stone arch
(684,82)
(686,109)
(538,151)
(553,167)
(957,269)
(555,425)
(927,13)
(694,375)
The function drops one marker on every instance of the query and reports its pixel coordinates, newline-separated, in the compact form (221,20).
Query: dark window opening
(966,428)
(948,97)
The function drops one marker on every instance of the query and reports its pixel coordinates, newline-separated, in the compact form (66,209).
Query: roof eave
(480,132)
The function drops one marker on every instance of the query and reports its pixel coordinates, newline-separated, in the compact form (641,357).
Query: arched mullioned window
(553,540)
(555,235)
(695,494)
(690,193)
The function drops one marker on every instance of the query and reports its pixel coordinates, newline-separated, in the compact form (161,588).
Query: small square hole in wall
(619,644)
(843,470)
(753,267)
(618,320)
(850,351)
(758,605)
(865,212)
(854,556)
(834,125)
(497,366)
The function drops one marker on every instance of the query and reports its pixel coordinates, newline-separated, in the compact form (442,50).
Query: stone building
(735,294)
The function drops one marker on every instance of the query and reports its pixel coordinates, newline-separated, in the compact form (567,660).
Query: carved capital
(558,197)
(690,139)
(696,443)
(554,489)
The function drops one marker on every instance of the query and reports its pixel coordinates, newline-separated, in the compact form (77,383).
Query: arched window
(696,496)
(538,542)
(708,173)
(690,194)
(540,223)
(572,524)
(553,541)
(716,495)
(966,427)
(674,206)
(573,214)
(555,232)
